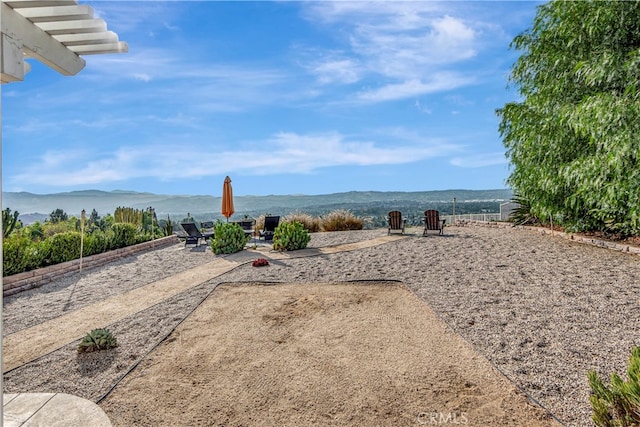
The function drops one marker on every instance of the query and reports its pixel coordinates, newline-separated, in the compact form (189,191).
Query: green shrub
(122,235)
(64,247)
(96,340)
(15,254)
(228,238)
(341,220)
(53,228)
(619,404)
(95,243)
(310,223)
(290,236)
(38,254)
(522,215)
(167,227)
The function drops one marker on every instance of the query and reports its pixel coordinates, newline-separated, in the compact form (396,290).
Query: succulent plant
(96,340)
(260,262)
(228,238)
(290,236)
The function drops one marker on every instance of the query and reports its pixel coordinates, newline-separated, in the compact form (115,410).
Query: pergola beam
(15,4)
(20,36)
(87,38)
(56,32)
(94,49)
(56,13)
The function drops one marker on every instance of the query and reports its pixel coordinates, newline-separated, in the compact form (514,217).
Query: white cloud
(412,88)
(289,153)
(406,43)
(344,71)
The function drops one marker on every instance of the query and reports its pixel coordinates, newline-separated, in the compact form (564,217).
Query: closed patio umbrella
(227,199)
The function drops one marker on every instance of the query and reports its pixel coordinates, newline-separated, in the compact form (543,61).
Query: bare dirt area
(317,354)
(543,310)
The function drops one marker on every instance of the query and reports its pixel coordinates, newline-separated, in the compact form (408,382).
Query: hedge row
(20,253)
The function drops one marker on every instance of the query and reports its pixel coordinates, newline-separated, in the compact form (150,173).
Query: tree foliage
(58,215)
(573,140)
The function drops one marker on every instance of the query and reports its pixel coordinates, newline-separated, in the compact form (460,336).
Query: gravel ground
(542,309)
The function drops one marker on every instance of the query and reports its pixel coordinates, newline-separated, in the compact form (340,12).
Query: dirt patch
(308,354)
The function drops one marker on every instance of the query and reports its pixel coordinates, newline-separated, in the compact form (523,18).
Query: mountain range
(33,207)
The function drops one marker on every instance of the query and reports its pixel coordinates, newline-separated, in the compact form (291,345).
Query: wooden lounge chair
(432,221)
(193,234)
(270,224)
(396,222)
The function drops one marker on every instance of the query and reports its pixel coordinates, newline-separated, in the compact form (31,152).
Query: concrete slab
(51,410)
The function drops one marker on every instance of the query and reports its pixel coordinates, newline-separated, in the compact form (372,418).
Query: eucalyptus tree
(573,140)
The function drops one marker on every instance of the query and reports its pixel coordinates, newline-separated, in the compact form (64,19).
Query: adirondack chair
(396,222)
(432,221)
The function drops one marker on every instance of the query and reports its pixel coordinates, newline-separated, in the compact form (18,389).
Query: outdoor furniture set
(195,235)
(431,219)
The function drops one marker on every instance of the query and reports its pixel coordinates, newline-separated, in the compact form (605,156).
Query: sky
(284,97)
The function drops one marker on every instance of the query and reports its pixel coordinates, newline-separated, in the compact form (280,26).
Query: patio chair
(247,225)
(396,222)
(206,228)
(193,234)
(432,221)
(270,224)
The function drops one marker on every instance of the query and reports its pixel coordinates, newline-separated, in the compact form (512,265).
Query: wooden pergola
(55,32)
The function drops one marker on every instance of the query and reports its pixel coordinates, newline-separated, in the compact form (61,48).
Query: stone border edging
(36,278)
(568,236)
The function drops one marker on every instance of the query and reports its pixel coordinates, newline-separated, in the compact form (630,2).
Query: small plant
(96,340)
(522,214)
(341,220)
(260,262)
(228,238)
(167,229)
(9,222)
(290,236)
(619,404)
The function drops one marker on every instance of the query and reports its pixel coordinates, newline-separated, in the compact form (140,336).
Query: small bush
(341,220)
(38,254)
(64,247)
(15,250)
(228,238)
(290,236)
(96,340)
(522,214)
(310,223)
(123,235)
(619,404)
(95,243)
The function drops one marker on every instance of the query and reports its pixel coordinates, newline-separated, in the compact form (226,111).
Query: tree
(57,216)
(9,222)
(573,139)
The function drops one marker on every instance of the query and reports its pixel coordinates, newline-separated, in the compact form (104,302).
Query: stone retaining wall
(36,278)
(569,236)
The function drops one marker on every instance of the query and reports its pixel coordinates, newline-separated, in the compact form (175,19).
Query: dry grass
(341,220)
(310,223)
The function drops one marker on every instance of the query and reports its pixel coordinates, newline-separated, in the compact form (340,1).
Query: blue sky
(284,97)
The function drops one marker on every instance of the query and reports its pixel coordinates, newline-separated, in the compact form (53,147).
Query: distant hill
(38,206)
